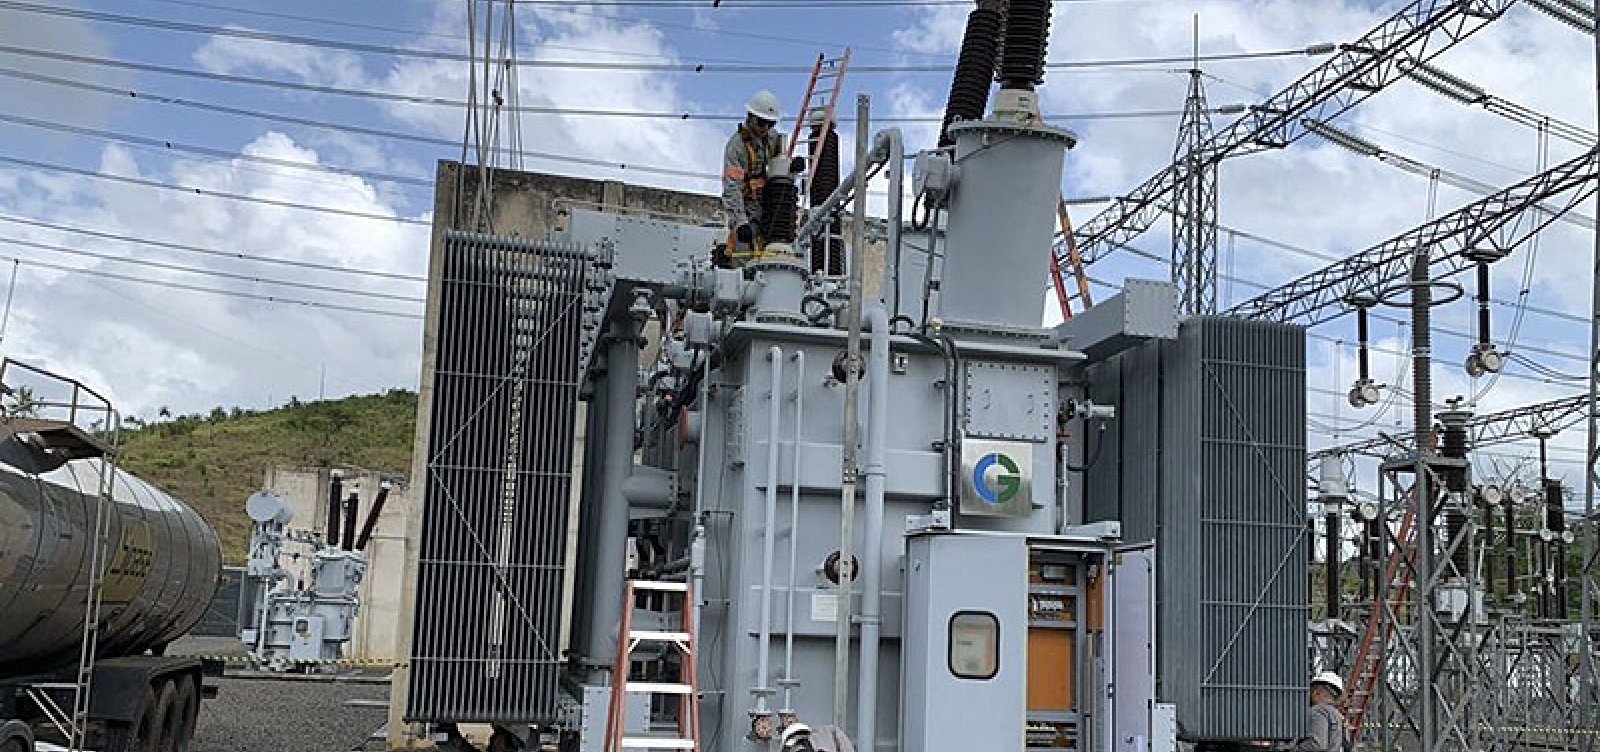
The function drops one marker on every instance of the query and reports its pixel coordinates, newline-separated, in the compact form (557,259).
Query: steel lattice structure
(1486,430)
(1194,225)
(1419,32)
(1501,221)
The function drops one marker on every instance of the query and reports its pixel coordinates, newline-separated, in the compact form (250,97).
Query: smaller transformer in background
(300,595)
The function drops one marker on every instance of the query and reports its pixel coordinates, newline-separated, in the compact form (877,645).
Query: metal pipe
(852,411)
(611,534)
(872,535)
(867,161)
(769,540)
(1589,684)
(788,682)
(697,552)
(891,254)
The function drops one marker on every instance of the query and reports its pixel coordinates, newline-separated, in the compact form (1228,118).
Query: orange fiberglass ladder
(1368,666)
(829,71)
(1070,242)
(681,638)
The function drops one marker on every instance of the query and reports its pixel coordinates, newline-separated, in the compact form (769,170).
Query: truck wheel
(141,736)
(13,745)
(169,719)
(187,710)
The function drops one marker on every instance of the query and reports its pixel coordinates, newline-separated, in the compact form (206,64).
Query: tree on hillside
(23,403)
(165,412)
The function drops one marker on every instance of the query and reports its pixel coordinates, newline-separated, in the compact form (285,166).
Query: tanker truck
(156,570)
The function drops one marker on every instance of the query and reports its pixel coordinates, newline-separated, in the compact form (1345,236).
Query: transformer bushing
(1001,223)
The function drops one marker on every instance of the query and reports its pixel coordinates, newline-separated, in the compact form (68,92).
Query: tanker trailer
(160,564)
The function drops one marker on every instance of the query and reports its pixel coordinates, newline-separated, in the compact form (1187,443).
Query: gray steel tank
(162,562)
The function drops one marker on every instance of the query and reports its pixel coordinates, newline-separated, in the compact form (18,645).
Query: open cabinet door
(1131,625)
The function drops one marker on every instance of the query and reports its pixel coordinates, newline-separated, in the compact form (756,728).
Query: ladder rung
(653,636)
(676,587)
(645,742)
(659,688)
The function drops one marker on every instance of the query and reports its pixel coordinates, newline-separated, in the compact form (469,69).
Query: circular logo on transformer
(996,478)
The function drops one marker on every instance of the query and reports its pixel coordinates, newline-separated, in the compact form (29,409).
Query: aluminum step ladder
(682,640)
(828,74)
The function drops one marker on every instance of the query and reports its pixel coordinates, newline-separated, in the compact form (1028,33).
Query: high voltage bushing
(1026,40)
(975,69)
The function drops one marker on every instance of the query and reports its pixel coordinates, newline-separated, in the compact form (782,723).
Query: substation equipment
(300,595)
(1089,537)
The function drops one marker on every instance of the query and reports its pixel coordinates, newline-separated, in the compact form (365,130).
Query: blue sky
(156,346)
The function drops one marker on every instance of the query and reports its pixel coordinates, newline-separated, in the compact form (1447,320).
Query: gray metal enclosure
(1207,459)
(498,482)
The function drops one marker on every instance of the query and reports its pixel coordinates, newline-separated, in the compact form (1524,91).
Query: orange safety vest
(757,153)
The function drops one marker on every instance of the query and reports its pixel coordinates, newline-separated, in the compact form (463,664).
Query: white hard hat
(1331,679)
(792,733)
(764,104)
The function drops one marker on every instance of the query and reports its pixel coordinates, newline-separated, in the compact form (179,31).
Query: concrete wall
(377,629)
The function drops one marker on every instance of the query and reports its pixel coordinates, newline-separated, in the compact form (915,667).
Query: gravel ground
(283,715)
(256,713)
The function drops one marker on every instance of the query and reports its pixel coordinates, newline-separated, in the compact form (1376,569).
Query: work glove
(746,234)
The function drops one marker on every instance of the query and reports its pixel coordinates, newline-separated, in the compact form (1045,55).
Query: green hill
(215,461)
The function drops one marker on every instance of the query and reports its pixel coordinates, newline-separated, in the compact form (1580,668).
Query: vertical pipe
(788,681)
(1488,548)
(852,412)
(769,538)
(896,167)
(1589,680)
(1589,684)
(330,534)
(697,550)
(611,534)
(872,534)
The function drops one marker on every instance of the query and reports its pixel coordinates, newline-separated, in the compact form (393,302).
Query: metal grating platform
(498,479)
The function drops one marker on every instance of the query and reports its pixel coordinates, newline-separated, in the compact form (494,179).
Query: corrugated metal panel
(222,616)
(1211,452)
(504,401)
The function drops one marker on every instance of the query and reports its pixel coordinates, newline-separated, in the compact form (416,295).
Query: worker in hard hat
(1325,730)
(744,171)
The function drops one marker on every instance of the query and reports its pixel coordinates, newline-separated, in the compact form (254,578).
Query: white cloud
(151,346)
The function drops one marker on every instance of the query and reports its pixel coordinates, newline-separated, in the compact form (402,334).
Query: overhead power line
(45,166)
(342,127)
(389,96)
(702,67)
(211,251)
(156,143)
(209,290)
(211,272)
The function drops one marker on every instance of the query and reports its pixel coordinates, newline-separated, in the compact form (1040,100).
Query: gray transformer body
(993,592)
(164,564)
